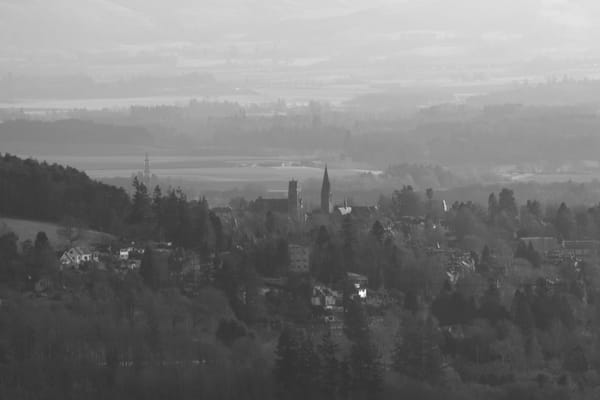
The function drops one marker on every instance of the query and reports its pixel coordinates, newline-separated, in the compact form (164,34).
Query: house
(360,282)
(124,253)
(299,259)
(582,248)
(132,265)
(326,298)
(458,264)
(76,256)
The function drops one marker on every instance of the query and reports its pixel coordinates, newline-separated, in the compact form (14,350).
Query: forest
(459,301)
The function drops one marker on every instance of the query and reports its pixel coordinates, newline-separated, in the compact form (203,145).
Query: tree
(576,361)
(523,318)
(330,366)
(417,352)
(406,202)
(9,254)
(535,208)
(356,326)
(229,331)
(365,365)
(286,363)
(377,231)
(366,369)
(349,242)
(72,229)
(140,208)
(43,254)
(157,210)
(507,202)
(493,207)
(307,373)
(565,222)
(148,270)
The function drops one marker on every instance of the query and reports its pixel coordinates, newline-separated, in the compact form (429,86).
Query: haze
(108,39)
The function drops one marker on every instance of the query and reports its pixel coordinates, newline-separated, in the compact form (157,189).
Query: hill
(42,192)
(25,230)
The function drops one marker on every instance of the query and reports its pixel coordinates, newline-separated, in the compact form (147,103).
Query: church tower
(326,194)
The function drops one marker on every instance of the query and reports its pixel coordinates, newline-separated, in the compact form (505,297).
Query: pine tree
(565,222)
(349,241)
(345,379)
(356,326)
(140,208)
(286,363)
(417,352)
(307,373)
(148,270)
(366,368)
(377,231)
(493,207)
(507,202)
(365,365)
(330,367)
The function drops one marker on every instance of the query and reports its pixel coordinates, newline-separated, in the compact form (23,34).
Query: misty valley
(333,199)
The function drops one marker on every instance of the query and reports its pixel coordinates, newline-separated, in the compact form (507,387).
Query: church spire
(326,193)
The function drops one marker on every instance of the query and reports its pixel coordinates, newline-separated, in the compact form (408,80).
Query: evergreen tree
(286,363)
(565,222)
(349,242)
(377,231)
(417,352)
(148,270)
(535,208)
(355,320)
(493,207)
(330,367)
(157,210)
(307,373)
(43,253)
(345,379)
(140,207)
(9,255)
(365,365)
(507,202)
(366,369)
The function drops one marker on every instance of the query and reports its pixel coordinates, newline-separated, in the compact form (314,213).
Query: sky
(127,36)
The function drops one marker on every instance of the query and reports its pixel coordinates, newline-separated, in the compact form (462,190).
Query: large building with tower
(291,206)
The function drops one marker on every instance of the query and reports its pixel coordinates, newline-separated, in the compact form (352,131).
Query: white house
(75,256)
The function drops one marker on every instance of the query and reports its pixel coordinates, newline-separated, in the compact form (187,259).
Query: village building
(76,256)
(582,249)
(299,259)
(291,206)
(360,283)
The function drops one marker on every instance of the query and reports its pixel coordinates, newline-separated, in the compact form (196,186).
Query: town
(448,295)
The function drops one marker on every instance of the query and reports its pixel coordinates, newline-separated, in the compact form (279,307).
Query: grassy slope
(28,230)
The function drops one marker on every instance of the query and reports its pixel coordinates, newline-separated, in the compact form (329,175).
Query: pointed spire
(326,193)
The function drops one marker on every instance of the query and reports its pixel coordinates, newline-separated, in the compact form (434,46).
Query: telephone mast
(147,172)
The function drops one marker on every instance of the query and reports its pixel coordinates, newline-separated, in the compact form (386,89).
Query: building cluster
(554,251)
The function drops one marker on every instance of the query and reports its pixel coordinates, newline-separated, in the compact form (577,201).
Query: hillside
(43,192)
(27,230)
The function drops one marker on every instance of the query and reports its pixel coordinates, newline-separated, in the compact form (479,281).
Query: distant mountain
(134,36)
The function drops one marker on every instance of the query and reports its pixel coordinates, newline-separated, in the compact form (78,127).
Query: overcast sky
(93,36)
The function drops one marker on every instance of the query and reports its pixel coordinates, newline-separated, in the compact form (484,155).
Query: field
(28,230)
(222,172)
